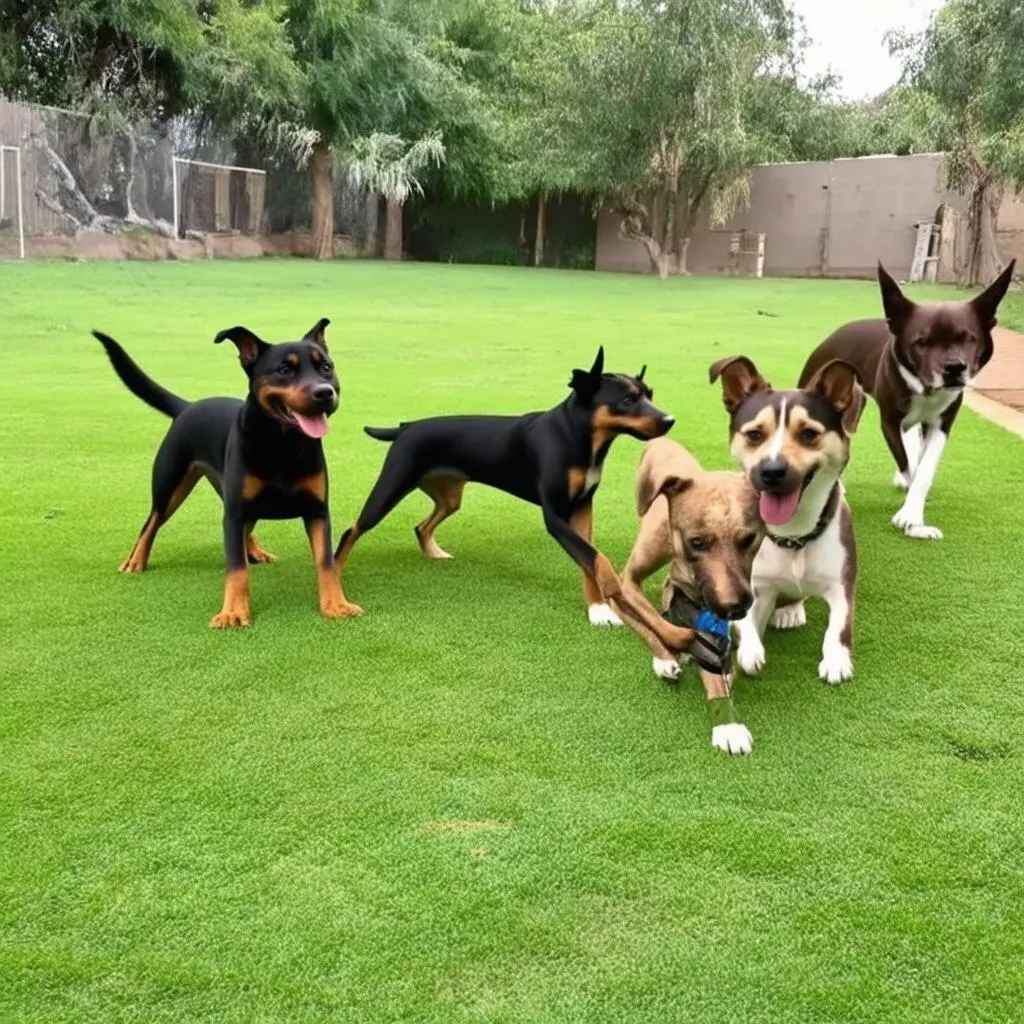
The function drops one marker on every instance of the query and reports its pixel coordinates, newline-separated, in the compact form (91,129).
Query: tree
(967,94)
(388,166)
(657,106)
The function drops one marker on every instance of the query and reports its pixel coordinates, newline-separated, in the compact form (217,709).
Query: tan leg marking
(235,611)
(332,601)
(138,559)
(340,557)
(447,494)
(256,554)
(582,521)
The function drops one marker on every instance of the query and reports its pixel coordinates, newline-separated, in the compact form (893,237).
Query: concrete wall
(832,219)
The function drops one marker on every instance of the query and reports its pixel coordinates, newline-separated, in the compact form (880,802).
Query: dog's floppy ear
(649,485)
(740,380)
(987,302)
(250,346)
(586,382)
(316,333)
(839,384)
(898,308)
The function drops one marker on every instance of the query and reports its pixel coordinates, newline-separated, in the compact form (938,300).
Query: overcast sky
(848,38)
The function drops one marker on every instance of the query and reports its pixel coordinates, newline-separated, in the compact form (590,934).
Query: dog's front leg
(910,518)
(235,610)
(636,608)
(728,733)
(750,651)
(599,612)
(836,654)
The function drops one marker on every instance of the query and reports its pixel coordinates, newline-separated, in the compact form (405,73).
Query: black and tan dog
(553,459)
(705,526)
(794,446)
(263,456)
(916,364)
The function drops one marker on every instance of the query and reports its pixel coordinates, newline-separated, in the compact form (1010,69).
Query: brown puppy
(706,525)
(915,364)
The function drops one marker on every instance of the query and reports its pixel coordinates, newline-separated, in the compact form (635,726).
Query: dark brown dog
(915,364)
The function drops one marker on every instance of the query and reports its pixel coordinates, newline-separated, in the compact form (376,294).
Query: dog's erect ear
(316,333)
(839,384)
(897,307)
(586,382)
(740,380)
(643,370)
(250,346)
(650,485)
(986,304)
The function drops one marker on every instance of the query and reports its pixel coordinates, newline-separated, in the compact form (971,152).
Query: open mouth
(315,426)
(779,509)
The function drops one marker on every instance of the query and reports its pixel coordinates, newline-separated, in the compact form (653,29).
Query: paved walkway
(998,392)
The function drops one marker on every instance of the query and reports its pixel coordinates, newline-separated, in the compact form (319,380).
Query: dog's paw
(132,564)
(733,738)
(259,556)
(665,668)
(230,619)
(836,665)
(790,616)
(900,480)
(922,532)
(751,656)
(602,615)
(339,610)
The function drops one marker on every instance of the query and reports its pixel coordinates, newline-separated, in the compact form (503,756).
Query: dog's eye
(630,400)
(326,367)
(754,435)
(809,435)
(698,544)
(286,369)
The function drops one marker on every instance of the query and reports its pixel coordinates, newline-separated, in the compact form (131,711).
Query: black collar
(826,517)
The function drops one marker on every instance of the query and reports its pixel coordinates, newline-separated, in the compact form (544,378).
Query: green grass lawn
(469,805)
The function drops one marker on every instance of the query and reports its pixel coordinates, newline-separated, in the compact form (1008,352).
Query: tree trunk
(370,245)
(393,231)
(635,224)
(684,246)
(538,242)
(986,197)
(321,171)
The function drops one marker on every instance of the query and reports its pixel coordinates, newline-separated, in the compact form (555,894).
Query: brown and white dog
(915,364)
(794,446)
(706,526)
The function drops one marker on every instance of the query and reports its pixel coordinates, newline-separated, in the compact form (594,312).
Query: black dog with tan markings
(553,459)
(263,456)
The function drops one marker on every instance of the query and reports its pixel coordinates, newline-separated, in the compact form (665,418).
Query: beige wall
(833,219)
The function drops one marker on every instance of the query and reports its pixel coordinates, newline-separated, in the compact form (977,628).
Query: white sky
(847,37)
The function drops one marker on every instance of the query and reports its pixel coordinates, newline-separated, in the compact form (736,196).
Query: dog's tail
(137,382)
(384,433)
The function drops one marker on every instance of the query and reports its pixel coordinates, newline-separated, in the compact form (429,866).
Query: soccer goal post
(217,198)
(12,206)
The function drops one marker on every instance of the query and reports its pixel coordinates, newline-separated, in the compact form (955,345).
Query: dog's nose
(735,610)
(668,421)
(954,368)
(773,471)
(323,394)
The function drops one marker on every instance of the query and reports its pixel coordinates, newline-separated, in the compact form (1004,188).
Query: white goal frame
(16,150)
(175,160)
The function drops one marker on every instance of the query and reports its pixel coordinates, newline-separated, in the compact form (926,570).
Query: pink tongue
(777,509)
(311,426)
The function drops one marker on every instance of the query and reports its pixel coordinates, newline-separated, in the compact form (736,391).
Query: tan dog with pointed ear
(706,525)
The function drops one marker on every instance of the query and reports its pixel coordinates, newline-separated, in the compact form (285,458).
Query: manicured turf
(469,805)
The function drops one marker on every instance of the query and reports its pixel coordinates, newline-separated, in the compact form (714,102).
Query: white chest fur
(928,409)
(592,479)
(808,572)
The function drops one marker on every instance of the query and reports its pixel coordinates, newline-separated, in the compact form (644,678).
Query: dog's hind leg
(791,615)
(173,480)
(446,490)
(892,431)
(599,612)
(254,552)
